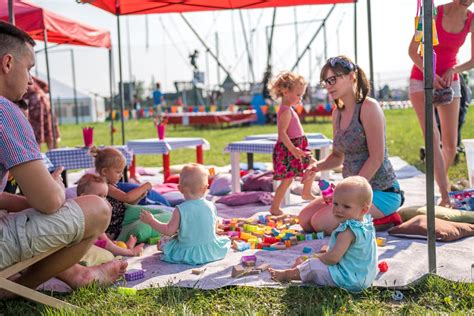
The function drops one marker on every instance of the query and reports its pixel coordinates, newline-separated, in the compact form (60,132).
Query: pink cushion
(258,182)
(243,198)
(165,187)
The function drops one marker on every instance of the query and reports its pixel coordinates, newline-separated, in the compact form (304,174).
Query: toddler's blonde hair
(285,80)
(193,178)
(86,180)
(106,157)
(360,186)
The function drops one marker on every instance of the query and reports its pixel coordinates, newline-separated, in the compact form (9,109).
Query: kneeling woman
(359,145)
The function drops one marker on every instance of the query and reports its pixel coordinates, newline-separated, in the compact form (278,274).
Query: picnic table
(164,147)
(265,146)
(72,158)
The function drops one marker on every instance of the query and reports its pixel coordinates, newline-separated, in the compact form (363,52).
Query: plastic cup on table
(88,136)
(161,129)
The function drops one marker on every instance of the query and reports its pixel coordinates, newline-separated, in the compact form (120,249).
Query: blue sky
(171,41)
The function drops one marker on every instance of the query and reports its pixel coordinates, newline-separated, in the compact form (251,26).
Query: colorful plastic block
(307,250)
(134,274)
(308,237)
(126,291)
(320,235)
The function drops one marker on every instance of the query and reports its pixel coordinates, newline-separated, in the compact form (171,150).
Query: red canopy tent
(48,26)
(125,7)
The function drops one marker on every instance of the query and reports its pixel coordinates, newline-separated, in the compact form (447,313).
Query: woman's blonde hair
(344,65)
(285,80)
(106,157)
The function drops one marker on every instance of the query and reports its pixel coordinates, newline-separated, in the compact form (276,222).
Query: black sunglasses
(330,81)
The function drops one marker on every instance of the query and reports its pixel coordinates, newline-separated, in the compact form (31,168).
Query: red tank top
(448,48)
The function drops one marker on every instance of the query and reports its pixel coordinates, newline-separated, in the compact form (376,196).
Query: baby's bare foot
(308,197)
(279,275)
(131,242)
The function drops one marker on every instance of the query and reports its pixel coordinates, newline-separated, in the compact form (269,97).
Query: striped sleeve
(17,141)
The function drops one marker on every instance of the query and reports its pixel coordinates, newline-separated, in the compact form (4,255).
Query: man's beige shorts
(28,233)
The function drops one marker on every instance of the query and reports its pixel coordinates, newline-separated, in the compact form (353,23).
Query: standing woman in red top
(453,23)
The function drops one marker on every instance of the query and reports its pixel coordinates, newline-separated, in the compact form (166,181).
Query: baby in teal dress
(194,221)
(351,261)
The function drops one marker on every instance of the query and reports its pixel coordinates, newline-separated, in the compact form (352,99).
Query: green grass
(432,295)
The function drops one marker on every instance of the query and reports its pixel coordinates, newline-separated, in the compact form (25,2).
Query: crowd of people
(369,190)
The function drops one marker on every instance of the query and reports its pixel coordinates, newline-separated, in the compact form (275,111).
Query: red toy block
(383,266)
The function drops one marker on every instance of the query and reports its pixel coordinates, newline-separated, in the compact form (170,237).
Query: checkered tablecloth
(48,163)
(265,146)
(157,146)
(79,157)
(274,136)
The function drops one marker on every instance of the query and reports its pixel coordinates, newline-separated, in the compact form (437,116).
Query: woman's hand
(310,171)
(146,217)
(439,83)
(448,77)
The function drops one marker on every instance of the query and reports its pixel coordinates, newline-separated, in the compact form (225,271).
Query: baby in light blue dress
(351,261)
(194,221)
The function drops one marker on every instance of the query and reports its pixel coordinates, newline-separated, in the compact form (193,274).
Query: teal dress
(358,267)
(197,242)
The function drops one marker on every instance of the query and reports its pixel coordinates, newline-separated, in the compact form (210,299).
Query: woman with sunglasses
(453,23)
(359,145)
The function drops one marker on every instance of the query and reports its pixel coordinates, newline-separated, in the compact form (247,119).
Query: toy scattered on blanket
(266,232)
(462,200)
(134,274)
(248,266)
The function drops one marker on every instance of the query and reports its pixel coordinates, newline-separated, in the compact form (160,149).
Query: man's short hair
(12,38)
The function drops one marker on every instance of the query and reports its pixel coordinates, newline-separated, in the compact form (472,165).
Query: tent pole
(249,55)
(53,130)
(270,41)
(112,99)
(76,105)
(371,60)
(121,80)
(428,75)
(313,38)
(11,12)
(355,31)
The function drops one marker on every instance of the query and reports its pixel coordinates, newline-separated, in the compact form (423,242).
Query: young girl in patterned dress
(290,155)
(109,163)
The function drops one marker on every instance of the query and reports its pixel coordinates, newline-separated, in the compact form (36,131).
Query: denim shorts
(419,86)
(29,232)
(387,202)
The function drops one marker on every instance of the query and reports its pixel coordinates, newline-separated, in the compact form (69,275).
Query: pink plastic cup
(88,135)
(161,128)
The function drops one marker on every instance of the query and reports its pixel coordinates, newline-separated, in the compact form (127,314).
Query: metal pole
(313,38)
(355,31)
(371,60)
(121,79)
(295,19)
(217,55)
(53,130)
(270,41)
(429,161)
(325,41)
(249,55)
(112,96)
(76,105)
(11,12)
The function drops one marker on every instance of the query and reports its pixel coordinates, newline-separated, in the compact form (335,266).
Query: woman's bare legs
(448,117)
(317,216)
(279,195)
(418,101)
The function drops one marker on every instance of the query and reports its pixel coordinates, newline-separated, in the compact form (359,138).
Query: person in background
(453,23)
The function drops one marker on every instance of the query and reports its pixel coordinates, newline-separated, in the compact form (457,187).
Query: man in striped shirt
(41,219)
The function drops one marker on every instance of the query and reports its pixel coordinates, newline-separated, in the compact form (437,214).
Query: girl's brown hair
(284,80)
(344,65)
(106,157)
